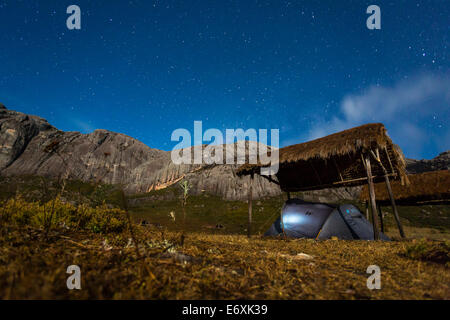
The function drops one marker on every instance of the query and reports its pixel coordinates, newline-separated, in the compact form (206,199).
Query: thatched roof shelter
(336,160)
(352,157)
(425,188)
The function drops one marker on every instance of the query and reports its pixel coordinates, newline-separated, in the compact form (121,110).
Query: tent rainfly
(357,156)
(322,221)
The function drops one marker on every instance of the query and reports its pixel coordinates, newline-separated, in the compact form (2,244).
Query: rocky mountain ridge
(441,162)
(29,145)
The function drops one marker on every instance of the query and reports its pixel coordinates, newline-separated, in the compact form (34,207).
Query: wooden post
(317,175)
(367,210)
(389,160)
(389,189)
(380,215)
(288,195)
(282,224)
(249,226)
(376,234)
(394,207)
(337,168)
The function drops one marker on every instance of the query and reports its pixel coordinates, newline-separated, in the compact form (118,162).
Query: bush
(60,214)
(434,251)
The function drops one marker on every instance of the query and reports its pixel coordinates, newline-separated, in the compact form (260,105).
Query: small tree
(185,186)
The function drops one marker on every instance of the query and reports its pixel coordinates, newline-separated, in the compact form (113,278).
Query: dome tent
(322,221)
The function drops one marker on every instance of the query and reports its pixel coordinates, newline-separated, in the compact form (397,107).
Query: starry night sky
(308,68)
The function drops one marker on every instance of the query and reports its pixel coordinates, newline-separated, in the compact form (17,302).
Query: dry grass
(365,137)
(419,233)
(209,267)
(34,259)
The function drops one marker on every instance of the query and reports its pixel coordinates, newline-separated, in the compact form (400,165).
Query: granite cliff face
(29,145)
(16,131)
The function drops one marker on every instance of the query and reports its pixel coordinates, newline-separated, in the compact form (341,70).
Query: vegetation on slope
(58,214)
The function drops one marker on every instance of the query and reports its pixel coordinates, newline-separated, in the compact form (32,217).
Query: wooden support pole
(367,210)
(389,160)
(389,189)
(249,226)
(380,215)
(337,168)
(316,173)
(376,234)
(394,207)
(288,195)
(282,224)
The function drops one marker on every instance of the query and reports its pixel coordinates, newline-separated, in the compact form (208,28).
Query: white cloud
(412,110)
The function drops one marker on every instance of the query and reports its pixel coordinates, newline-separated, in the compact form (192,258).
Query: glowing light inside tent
(292,218)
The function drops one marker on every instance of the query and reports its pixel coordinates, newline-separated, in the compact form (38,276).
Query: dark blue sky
(309,68)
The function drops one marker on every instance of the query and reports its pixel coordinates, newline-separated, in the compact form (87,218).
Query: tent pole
(249,226)
(376,235)
(394,207)
(380,215)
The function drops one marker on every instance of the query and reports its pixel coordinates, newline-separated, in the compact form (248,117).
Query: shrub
(434,251)
(60,214)
(106,220)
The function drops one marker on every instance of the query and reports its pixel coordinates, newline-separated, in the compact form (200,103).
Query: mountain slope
(29,145)
(441,162)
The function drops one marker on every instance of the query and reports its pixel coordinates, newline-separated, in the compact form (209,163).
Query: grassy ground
(33,188)
(40,239)
(214,267)
(205,212)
